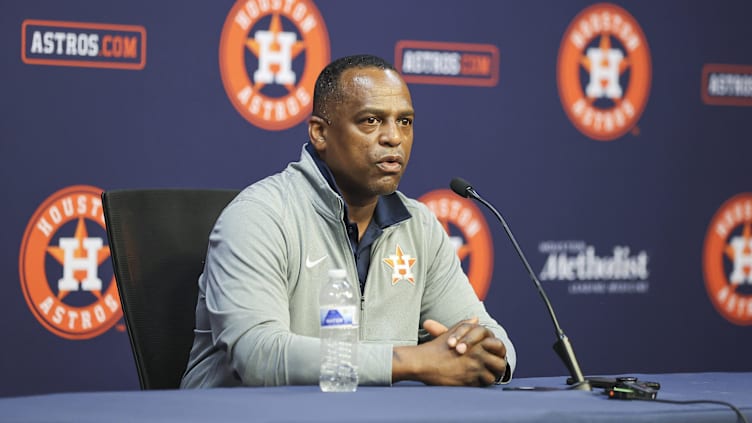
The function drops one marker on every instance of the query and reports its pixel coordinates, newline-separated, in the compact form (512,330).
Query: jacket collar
(390,209)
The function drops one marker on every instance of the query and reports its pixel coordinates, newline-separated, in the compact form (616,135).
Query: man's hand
(465,354)
(436,329)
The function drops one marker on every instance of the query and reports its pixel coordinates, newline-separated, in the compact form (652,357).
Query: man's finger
(434,328)
(495,346)
(460,330)
(461,348)
(475,335)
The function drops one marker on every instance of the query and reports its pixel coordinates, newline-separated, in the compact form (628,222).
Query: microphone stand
(562,346)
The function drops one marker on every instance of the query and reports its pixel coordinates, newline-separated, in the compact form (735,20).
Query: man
(271,249)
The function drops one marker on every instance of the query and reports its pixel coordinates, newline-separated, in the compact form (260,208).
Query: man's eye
(372,120)
(405,121)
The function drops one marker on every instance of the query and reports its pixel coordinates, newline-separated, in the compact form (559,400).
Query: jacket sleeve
(247,299)
(449,297)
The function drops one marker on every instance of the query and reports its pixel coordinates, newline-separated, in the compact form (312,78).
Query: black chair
(158,240)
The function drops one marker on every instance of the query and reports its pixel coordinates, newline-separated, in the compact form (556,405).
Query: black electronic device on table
(623,387)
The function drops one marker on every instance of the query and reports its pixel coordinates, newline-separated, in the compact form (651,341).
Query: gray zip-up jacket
(269,252)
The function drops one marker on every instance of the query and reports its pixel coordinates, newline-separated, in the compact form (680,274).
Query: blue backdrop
(630,198)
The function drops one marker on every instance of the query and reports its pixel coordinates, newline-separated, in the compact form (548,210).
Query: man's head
(362,126)
(328,90)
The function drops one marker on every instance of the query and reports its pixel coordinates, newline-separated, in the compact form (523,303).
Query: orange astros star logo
(401,265)
(270,54)
(727,260)
(604,72)
(66,280)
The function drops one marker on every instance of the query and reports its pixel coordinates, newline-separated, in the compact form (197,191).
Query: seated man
(338,207)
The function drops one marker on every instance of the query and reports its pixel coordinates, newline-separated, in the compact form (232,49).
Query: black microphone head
(461,187)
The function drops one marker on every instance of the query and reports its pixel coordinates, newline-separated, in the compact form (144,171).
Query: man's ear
(317,133)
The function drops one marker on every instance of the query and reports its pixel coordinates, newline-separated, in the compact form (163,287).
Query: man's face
(368,142)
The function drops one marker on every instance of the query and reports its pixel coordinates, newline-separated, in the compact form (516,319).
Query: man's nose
(391,133)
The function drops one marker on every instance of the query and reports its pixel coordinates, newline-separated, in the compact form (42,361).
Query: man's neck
(361,213)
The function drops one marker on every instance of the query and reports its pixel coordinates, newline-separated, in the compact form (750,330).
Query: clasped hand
(467,354)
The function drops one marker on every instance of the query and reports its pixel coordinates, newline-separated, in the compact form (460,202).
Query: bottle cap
(338,273)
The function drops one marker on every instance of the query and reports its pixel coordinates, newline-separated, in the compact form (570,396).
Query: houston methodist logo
(92,45)
(270,53)
(622,270)
(727,260)
(468,231)
(604,72)
(63,262)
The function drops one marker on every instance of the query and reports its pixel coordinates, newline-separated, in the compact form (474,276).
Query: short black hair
(328,88)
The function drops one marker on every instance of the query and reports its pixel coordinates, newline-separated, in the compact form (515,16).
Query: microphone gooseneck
(563,346)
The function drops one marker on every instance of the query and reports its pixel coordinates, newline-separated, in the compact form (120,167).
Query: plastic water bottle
(339,317)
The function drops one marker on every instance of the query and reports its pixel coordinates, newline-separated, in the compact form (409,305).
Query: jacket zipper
(353,265)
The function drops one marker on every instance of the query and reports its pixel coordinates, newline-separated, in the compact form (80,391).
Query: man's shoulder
(273,188)
(415,207)
(421,217)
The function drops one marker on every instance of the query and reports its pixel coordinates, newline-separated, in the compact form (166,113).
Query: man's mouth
(390,164)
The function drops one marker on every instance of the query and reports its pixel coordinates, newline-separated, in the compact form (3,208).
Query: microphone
(562,346)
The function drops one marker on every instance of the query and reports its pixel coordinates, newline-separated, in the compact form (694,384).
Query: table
(404,402)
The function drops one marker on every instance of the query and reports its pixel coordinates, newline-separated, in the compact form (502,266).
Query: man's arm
(449,298)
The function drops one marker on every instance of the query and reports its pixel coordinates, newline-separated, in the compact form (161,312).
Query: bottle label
(338,316)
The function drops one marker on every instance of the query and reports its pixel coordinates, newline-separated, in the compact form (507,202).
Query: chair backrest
(158,240)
